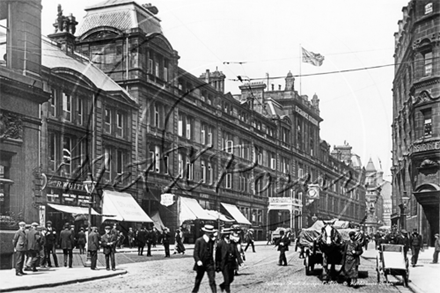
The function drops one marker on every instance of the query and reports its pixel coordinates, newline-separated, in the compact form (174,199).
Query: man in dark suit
(66,243)
(93,246)
(20,247)
(204,259)
(141,237)
(149,240)
(416,242)
(283,246)
(50,245)
(227,259)
(33,238)
(108,242)
(166,239)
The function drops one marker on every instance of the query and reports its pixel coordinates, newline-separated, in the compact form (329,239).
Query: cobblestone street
(260,273)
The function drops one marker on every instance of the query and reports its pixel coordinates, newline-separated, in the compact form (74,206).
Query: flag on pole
(312,58)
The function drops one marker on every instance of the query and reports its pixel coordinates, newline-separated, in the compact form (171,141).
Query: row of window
(67,107)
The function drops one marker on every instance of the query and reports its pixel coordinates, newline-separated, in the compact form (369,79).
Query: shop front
(67,202)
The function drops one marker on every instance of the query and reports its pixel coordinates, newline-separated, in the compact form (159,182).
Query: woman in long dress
(179,248)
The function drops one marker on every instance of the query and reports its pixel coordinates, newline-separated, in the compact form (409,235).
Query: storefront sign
(166,199)
(428,146)
(65,185)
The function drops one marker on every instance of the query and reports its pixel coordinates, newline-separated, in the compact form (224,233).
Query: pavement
(424,278)
(56,276)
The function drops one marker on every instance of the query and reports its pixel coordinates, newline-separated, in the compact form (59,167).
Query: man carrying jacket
(20,246)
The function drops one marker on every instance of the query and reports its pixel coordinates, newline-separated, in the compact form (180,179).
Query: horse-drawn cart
(390,260)
(313,253)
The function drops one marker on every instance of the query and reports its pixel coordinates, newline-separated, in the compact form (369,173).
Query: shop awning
(220,216)
(190,209)
(123,206)
(158,224)
(236,214)
(73,209)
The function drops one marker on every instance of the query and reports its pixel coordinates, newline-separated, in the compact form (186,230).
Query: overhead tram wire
(324,73)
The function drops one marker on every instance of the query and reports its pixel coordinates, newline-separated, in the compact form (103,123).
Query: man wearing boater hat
(204,260)
(227,259)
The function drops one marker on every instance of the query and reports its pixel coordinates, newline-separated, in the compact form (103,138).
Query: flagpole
(300,61)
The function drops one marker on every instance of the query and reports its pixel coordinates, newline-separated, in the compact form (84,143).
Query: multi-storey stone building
(416,119)
(122,109)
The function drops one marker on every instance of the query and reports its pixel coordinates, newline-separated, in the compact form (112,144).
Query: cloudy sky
(253,38)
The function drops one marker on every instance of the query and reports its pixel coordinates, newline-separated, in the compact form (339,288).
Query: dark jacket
(227,253)
(141,236)
(149,236)
(108,242)
(33,238)
(203,251)
(81,237)
(66,239)
(51,237)
(20,241)
(283,243)
(357,251)
(93,244)
(166,238)
(416,240)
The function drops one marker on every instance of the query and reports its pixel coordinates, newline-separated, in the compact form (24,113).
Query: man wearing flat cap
(20,246)
(50,245)
(227,259)
(204,259)
(33,238)
(351,259)
(108,241)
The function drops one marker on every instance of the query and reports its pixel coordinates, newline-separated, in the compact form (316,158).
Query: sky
(253,38)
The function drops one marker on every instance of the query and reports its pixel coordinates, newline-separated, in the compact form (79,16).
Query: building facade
(22,94)
(119,107)
(416,119)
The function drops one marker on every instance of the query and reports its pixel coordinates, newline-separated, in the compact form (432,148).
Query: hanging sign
(313,191)
(166,199)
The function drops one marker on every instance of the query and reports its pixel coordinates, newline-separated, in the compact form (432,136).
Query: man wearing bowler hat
(108,241)
(204,259)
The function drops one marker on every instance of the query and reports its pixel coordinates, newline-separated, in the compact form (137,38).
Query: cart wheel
(307,264)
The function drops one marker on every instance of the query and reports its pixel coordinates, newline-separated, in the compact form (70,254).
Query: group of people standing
(413,241)
(34,245)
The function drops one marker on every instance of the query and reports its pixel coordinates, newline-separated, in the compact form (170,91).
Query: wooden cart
(390,260)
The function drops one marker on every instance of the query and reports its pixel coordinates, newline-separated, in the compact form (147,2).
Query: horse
(330,244)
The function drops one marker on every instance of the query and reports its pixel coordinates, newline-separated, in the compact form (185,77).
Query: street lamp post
(402,206)
(89,185)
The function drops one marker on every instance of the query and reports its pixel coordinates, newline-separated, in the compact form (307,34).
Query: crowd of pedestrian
(35,246)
